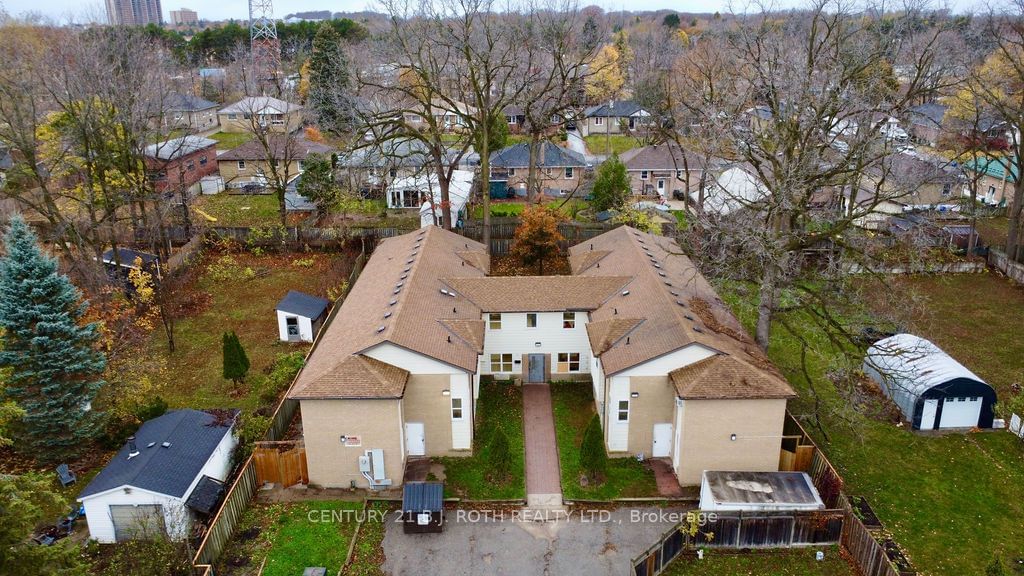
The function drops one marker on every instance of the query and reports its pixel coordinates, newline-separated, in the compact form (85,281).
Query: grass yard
(368,553)
(962,492)
(234,292)
(229,140)
(607,144)
(512,209)
(794,562)
(290,537)
(500,407)
(573,406)
(237,209)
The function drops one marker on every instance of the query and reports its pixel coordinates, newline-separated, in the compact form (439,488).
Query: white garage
(932,389)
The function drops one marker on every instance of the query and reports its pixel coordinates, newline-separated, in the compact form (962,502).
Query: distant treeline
(214,45)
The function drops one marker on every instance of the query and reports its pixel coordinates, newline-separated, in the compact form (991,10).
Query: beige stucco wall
(292,121)
(548,178)
(704,442)
(333,464)
(610,125)
(230,173)
(424,403)
(655,405)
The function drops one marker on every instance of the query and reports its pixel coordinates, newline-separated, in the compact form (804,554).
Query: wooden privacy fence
(282,463)
(744,530)
(867,553)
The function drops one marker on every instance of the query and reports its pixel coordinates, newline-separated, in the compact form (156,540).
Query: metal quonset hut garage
(933,390)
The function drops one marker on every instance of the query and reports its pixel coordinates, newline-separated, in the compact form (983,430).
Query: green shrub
(499,456)
(593,458)
(152,408)
(250,429)
(285,367)
(236,362)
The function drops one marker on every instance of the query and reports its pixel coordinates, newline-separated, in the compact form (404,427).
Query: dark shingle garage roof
(302,304)
(192,436)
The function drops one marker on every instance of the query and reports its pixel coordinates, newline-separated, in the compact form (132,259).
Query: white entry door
(415,440)
(928,414)
(661,187)
(662,441)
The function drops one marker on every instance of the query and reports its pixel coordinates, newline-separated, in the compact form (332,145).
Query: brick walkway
(543,479)
(668,484)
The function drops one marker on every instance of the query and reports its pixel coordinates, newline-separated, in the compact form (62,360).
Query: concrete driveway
(576,143)
(593,543)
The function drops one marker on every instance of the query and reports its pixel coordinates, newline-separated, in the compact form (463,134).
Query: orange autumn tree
(537,237)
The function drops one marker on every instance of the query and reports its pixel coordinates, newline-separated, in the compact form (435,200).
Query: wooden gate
(282,463)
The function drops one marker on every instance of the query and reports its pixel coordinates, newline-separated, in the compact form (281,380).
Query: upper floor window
(568,319)
(568,172)
(494,321)
(643,174)
(241,165)
(531,320)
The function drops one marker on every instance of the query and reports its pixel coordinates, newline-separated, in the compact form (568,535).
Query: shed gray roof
(193,436)
(907,366)
(760,488)
(929,115)
(549,156)
(302,304)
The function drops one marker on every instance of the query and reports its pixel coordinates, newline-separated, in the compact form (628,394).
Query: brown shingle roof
(661,157)
(480,260)
(603,334)
(398,299)
(726,377)
(470,331)
(677,304)
(537,293)
(580,261)
(356,377)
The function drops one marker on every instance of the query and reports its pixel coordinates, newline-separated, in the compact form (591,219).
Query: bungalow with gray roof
(559,170)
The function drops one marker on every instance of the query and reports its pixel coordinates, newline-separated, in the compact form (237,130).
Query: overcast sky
(79,11)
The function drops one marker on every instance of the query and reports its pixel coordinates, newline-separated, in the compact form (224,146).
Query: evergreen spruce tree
(611,185)
(236,363)
(54,367)
(593,458)
(329,81)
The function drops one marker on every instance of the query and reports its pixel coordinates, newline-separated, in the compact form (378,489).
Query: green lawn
(237,210)
(794,562)
(291,537)
(237,292)
(573,406)
(962,492)
(229,140)
(568,207)
(500,406)
(599,143)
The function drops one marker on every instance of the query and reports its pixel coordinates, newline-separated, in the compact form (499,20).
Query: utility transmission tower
(265,47)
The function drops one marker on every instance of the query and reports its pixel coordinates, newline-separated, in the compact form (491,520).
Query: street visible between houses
(595,543)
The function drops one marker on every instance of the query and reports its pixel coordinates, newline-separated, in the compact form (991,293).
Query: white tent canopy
(734,189)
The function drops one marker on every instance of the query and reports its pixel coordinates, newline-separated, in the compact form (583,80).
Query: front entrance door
(928,414)
(535,368)
(415,440)
(661,187)
(662,441)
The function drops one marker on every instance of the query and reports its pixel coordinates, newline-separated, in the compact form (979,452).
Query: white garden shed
(171,469)
(300,316)
(931,388)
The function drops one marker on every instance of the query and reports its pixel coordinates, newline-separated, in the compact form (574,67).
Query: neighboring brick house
(396,373)
(926,122)
(662,169)
(180,163)
(915,179)
(273,114)
(559,170)
(374,166)
(615,117)
(249,164)
(187,111)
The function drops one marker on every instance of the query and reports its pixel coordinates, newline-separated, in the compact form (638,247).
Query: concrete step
(544,501)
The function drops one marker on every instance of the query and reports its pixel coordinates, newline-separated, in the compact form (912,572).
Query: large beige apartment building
(395,374)
(134,12)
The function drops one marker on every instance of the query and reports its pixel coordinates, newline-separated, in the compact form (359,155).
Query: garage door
(143,521)
(961,412)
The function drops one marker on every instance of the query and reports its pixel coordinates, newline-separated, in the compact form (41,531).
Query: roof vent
(662,274)
(615,311)
(387,314)
(403,276)
(627,340)
(697,328)
(443,291)
(687,316)
(591,246)
(380,328)
(451,293)
(409,261)
(681,303)
(397,290)
(393,302)
(399,285)
(166,445)
(449,339)
(151,444)
(625,292)
(133,450)
(667,283)
(658,266)
(407,270)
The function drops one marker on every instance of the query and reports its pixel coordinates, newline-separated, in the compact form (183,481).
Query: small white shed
(173,468)
(758,491)
(933,390)
(300,316)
